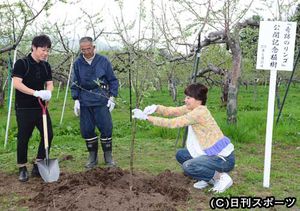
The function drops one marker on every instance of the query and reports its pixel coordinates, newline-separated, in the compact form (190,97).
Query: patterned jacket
(209,135)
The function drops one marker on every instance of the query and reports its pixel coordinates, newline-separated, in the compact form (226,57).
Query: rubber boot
(35,171)
(92,146)
(23,174)
(109,162)
(106,144)
(92,160)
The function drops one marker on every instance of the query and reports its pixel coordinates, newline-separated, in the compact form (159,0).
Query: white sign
(275,52)
(276,45)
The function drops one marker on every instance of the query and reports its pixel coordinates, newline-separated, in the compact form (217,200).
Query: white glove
(150,109)
(43,94)
(139,114)
(111,104)
(76,108)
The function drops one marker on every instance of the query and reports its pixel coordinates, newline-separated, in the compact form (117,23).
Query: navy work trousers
(92,117)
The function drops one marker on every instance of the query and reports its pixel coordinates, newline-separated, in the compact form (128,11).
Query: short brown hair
(197,91)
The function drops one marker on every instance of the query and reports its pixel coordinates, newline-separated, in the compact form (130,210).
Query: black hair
(41,41)
(197,91)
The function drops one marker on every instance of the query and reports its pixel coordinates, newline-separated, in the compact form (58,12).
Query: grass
(155,147)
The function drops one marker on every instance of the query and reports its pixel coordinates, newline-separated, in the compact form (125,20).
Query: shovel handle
(45,132)
(44,107)
(45,127)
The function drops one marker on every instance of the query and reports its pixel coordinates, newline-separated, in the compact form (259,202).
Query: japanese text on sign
(276,45)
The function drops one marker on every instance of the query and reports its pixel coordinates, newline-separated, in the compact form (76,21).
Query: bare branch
(38,13)
(61,39)
(26,22)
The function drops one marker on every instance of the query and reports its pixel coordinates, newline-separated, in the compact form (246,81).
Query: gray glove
(139,114)
(111,104)
(43,94)
(76,108)
(150,109)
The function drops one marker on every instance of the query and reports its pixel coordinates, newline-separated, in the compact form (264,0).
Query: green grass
(155,147)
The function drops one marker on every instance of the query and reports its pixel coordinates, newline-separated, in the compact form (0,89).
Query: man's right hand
(76,108)
(43,94)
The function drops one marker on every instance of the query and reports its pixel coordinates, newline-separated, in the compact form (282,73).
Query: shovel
(48,168)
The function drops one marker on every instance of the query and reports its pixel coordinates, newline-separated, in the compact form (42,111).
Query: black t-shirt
(34,75)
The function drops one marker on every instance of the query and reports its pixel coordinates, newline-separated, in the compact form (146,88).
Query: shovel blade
(49,169)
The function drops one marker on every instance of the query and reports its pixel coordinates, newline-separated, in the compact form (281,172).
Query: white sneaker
(203,184)
(223,183)
(200,184)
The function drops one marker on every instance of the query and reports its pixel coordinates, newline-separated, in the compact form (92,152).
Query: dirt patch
(102,189)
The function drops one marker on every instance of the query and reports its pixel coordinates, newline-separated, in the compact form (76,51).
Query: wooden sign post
(275,52)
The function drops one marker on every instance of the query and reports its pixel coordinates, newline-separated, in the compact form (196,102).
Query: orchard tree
(17,16)
(225,21)
(218,23)
(139,56)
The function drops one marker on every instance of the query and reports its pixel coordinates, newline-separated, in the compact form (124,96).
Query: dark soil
(103,189)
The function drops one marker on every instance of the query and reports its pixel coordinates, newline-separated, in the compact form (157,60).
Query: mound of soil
(101,189)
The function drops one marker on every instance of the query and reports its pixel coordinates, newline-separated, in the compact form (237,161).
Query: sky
(107,8)
(61,12)
(69,12)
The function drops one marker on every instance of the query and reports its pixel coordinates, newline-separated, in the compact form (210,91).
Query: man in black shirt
(32,79)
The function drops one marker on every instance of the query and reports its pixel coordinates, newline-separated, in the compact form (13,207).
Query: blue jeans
(204,167)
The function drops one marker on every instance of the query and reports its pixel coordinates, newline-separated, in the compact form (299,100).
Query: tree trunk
(225,88)
(2,92)
(157,84)
(234,45)
(232,104)
(172,87)
(133,133)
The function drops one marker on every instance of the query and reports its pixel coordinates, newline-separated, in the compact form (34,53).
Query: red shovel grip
(44,107)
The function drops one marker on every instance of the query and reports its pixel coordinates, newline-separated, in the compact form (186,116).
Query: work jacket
(93,84)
